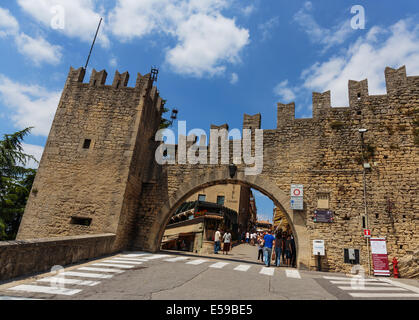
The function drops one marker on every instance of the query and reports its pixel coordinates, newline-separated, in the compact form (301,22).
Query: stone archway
(221,176)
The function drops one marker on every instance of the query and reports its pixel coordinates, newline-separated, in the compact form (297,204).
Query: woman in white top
(227,242)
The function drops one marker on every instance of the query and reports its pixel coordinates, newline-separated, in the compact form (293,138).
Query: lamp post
(362,131)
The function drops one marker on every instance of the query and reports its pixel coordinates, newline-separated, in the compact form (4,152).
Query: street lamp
(364,167)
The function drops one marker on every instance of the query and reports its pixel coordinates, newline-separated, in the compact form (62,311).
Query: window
(363,223)
(201,197)
(87,143)
(220,200)
(81,221)
(322,200)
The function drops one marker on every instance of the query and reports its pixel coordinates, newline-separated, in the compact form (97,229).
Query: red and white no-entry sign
(367,233)
(297,190)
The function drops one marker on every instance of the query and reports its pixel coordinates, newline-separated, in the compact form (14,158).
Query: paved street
(183,276)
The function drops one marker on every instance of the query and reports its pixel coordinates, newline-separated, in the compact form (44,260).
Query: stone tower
(91,173)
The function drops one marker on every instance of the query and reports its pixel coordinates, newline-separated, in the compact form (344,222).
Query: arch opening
(260,184)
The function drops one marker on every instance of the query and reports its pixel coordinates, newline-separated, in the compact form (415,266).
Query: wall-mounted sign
(323,216)
(367,233)
(297,197)
(297,203)
(297,190)
(318,248)
(379,257)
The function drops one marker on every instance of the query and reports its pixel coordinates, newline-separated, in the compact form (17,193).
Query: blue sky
(218,59)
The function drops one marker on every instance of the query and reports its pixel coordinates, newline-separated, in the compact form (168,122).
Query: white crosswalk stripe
(267,271)
(124,262)
(130,260)
(123,266)
(43,289)
(59,280)
(358,287)
(134,255)
(87,275)
(219,265)
(384,295)
(156,256)
(366,288)
(291,273)
(242,267)
(347,278)
(176,259)
(100,269)
(15,298)
(196,262)
(357,283)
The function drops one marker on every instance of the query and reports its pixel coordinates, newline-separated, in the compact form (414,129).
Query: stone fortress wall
(117,183)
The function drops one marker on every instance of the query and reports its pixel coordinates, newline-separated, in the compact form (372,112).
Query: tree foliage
(165,123)
(15,182)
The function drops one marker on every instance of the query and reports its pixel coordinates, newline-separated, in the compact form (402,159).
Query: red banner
(379,257)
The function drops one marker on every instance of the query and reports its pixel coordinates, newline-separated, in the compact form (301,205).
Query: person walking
(268,241)
(260,248)
(227,242)
(217,241)
(278,248)
(293,252)
(284,238)
(288,250)
(247,237)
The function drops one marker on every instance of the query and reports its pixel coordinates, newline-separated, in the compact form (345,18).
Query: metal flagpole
(94,40)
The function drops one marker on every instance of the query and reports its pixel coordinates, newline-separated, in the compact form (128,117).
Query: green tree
(165,123)
(15,182)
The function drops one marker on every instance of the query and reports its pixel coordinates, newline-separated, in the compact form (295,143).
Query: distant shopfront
(193,230)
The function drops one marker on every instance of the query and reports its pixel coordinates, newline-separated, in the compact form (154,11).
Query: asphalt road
(183,276)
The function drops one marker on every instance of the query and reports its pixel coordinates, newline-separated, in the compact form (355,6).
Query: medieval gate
(98,173)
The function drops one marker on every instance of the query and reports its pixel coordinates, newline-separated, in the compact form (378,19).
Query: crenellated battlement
(223,126)
(360,100)
(119,84)
(99,78)
(252,122)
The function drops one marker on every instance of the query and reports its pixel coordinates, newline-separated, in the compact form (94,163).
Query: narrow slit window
(81,221)
(87,143)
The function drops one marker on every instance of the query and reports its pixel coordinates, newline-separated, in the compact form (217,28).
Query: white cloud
(207,40)
(267,27)
(248,10)
(234,78)
(8,23)
(81,17)
(286,93)
(317,34)
(31,105)
(35,151)
(38,50)
(113,62)
(206,44)
(367,58)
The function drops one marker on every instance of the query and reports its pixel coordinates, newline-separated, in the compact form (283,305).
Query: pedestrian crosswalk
(73,281)
(76,279)
(367,288)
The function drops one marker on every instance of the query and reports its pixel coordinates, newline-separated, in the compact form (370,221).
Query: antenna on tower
(93,44)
